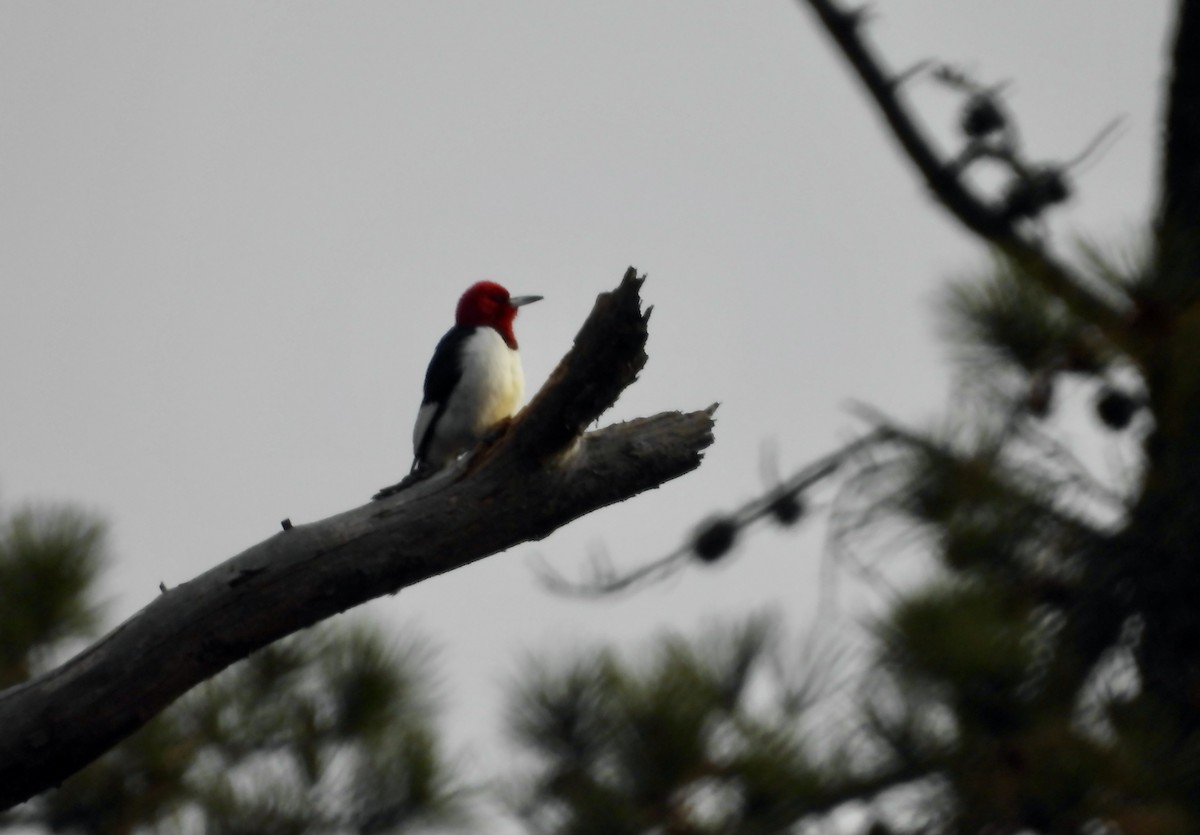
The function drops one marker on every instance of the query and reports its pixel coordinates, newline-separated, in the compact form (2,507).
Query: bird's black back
(442,375)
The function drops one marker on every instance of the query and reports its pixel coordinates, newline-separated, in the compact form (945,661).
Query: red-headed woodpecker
(474,380)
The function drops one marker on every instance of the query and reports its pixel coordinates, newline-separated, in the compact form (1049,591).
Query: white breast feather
(491,388)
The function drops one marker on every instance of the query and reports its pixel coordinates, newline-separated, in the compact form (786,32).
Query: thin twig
(605,584)
(987,221)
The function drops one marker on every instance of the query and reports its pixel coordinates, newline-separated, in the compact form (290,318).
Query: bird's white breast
(490,389)
(492,383)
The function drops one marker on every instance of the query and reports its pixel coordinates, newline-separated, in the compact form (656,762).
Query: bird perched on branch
(474,380)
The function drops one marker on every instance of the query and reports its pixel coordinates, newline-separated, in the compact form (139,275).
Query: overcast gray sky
(231,234)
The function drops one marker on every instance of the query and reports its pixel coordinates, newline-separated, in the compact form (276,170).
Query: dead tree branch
(538,476)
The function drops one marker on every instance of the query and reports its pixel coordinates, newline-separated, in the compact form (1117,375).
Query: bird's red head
(487,304)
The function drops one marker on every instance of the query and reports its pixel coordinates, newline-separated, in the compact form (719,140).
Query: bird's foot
(404,483)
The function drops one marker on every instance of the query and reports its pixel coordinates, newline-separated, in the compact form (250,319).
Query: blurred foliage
(1044,678)
(708,737)
(999,319)
(49,560)
(329,731)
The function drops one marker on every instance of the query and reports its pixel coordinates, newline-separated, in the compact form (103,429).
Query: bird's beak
(517,301)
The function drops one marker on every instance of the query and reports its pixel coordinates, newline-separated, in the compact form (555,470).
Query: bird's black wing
(445,369)
(443,374)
